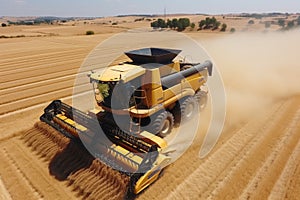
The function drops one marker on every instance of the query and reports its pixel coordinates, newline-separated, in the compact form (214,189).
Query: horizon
(156,15)
(110,8)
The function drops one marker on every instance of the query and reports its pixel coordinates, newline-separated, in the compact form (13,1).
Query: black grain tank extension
(152,55)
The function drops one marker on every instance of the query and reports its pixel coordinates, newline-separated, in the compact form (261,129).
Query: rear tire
(188,108)
(201,97)
(163,124)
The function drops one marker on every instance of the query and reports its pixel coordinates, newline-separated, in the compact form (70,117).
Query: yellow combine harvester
(140,101)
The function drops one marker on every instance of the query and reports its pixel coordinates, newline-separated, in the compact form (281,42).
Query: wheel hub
(189,110)
(165,127)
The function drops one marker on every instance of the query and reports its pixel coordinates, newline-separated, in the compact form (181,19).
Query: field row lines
(266,176)
(28,65)
(227,156)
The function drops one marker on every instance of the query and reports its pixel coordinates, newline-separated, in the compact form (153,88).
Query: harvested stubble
(70,161)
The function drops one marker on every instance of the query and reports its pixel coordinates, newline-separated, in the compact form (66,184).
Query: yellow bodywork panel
(153,174)
(158,140)
(125,72)
(62,117)
(70,122)
(152,86)
(194,81)
(121,150)
(171,92)
(125,157)
(169,69)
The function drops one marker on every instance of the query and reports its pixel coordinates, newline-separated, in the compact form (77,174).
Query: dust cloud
(257,69)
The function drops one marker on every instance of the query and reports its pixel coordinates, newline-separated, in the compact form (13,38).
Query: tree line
(285,25)
(212,24)
(182,23)
(177,24)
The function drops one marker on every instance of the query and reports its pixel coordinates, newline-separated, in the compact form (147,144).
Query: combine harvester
(140,101)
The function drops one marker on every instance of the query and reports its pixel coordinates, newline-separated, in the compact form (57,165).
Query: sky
(101,8)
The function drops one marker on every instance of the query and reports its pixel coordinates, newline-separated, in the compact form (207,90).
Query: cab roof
(125,72)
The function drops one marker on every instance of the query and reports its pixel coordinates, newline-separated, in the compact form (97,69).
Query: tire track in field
(29,166)
(45,58)
(293,191)
(35,79)
(256,159)
(266,177)
(15,89)
(15,56)
(79,77)
(27,94)
(35,66)
(225,160)
(4,194)
(227,171)
(18,63)
(285,187)
(206,170)
(67,99)
(46,74)
(16,48)
(53,68)
(206,176)
(20,182)
(39,99)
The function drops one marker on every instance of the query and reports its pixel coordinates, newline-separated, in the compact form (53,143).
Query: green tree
(290,24)
(161,23)
(174,23)
(183,23)
(169,24)
(298,21)
(224,26)
(216,25)
(213,21)
(193,25)
(3,25)
(208,22)
(281,22)
(251,22)
(232,30)
(90,33)
(201,24)
(154,24)
(180,26)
